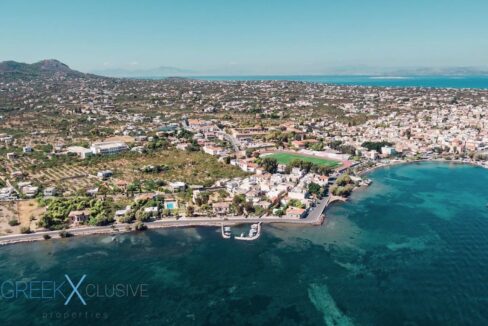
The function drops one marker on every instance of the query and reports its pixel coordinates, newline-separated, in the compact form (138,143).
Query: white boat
(226,232)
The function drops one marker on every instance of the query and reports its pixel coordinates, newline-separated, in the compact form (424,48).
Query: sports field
(285,158)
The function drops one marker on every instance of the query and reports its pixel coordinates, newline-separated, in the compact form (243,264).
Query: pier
(254,232)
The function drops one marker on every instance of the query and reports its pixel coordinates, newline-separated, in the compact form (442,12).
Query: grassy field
(285,158)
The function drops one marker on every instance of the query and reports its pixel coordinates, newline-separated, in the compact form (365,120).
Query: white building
(109,148)
(177,186)
(387,150)
(80,151)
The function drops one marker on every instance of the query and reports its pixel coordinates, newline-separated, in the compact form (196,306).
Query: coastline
(395,163)
(214,222)
(182,223)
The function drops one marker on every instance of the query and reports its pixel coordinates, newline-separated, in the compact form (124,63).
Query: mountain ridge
(47,67)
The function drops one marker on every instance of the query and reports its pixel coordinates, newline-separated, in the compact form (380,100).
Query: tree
(134,187)
(238,199)
(348,149)
(249,207)
(314,189)
(317,146)
(128,217)
(139,226)
(296,203)
(343,180)
(65,234)
(249,152)
(193,146)
(103,190)
(269,164)
(190,210)
(238,204)
(342,191)
(335,144)
(279,212)
(143,216)
(370,145)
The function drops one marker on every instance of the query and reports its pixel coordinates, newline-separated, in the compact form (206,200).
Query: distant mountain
(408,71)
(49,67)
(442,71)
(162,71)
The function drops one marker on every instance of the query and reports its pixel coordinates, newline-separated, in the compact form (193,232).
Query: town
(82,153)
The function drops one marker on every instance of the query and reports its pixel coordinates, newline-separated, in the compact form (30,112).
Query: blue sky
(247,36)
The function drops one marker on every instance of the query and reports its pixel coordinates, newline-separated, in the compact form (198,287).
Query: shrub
(139,226)
(343,180)
(65,234)
(127,218)
(13,222)
(46,236)
(25,230)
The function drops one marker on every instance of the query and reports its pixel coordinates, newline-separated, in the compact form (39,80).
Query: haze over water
(409,250)
(480,82)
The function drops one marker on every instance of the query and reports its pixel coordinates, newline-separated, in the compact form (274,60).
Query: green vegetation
(139,226)
(240,205)
(295,203)
(343,186)
(315,147)
(315,189)
(372,145)
(192,167)
(65,234)
(190,211)
(343,180)
(56,215)
(342,191)
(13,222)
(309,166)
(269,164)
(286,158)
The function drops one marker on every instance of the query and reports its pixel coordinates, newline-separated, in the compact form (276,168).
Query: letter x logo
(75,290)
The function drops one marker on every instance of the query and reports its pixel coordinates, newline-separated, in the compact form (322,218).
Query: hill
(46,68)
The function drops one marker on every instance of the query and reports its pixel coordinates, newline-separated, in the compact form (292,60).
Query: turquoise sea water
(412,249)
(480,82)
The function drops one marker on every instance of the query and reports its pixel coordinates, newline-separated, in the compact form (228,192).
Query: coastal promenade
(315,217)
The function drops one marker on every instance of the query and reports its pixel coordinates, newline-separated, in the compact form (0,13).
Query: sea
(477,82)
(412,249)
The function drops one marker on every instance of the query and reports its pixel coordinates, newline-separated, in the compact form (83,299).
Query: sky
(231,37)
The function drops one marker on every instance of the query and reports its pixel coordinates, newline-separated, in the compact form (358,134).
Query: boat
(226,232)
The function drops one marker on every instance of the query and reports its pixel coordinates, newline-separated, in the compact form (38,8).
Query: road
(234,142)
(315,214)
(314,218)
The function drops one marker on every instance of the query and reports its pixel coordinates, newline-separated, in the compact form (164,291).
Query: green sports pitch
(286,158)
